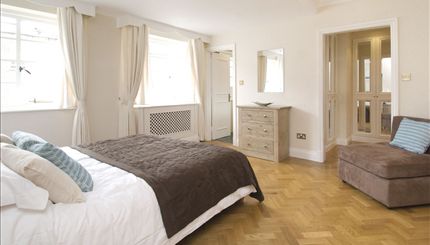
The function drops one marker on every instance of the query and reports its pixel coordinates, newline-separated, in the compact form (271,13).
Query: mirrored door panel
(364,66)
(364,120)
(385,117)
(385,60)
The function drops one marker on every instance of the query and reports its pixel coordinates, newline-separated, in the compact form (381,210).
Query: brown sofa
(392,176)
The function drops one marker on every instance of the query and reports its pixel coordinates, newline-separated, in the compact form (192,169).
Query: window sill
(29,109)
(168,105)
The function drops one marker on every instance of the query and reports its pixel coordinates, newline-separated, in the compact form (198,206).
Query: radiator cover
(178,121)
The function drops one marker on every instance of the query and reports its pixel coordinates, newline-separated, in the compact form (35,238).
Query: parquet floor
(306,203)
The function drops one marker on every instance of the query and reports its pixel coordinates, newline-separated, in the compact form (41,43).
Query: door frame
(208,127)
(392,23)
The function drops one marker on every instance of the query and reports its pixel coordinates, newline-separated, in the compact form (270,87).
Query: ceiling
(212,17)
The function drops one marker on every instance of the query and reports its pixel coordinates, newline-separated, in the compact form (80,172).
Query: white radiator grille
(164,123)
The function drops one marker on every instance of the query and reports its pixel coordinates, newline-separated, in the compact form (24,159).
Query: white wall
(54,126)
(298,37)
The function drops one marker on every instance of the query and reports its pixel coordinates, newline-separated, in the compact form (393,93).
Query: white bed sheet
(122,209)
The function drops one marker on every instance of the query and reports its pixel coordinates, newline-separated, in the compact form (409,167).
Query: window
(32,66)
(169,72)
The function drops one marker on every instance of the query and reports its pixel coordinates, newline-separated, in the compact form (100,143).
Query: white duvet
(122,209)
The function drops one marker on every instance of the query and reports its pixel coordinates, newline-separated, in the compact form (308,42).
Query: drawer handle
(265,146)
(265,130)
(249,128)
(249,115)
(265,116)
(249,144)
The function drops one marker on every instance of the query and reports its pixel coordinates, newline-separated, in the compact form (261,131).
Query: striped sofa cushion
(412,136)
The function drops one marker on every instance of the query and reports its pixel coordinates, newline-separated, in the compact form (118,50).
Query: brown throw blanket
(188,178)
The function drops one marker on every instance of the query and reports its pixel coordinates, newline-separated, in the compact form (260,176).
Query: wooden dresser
(263,131)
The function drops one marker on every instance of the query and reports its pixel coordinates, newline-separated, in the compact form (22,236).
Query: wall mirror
(271,71)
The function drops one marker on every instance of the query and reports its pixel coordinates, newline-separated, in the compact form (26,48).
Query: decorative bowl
(263,103)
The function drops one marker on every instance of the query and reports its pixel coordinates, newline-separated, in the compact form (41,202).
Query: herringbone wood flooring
(306,203)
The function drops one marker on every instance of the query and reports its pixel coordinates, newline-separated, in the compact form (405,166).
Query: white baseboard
(330,145)
(315,156)
(344,141)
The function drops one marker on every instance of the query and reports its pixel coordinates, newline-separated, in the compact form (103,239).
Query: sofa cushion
(412,136)
(386,161)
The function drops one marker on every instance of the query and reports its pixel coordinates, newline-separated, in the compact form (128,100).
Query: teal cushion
(59,158)
(71,167)
(24,139)
(412,136)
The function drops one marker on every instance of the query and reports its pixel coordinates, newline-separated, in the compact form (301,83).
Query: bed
(126,204)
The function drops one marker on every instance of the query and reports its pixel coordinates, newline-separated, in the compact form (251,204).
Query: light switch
(241,82)
(406,76)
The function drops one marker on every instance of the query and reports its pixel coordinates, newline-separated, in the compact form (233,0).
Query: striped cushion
(412,136)
(24,139)
(60,159)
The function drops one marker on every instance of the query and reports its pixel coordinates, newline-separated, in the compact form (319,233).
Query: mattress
(122,209)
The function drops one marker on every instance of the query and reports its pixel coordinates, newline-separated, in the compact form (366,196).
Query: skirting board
(306,154)
(344,141)
(330,145)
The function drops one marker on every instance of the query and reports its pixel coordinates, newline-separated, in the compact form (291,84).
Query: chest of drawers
(263,131)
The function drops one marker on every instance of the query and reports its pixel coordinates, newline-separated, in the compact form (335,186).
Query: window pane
(169,72)
(38,31)
(32,51)
(8,71)
(386,118)
(11,95)
(8,49)
(44,82)
(363,67)
(363,116)
(8,27)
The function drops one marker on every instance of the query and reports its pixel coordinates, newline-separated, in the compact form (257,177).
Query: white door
(372,89)
(221,98)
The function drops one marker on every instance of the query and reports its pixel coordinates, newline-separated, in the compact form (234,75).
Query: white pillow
(43,173)
(21,192)
(6,139)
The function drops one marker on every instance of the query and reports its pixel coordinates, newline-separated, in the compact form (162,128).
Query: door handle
(229,97)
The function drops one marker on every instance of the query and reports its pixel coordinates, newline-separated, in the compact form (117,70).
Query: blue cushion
(71,167)
(59,158)
(24,139)
(412,136)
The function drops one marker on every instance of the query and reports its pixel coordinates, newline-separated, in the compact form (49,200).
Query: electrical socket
(301,136)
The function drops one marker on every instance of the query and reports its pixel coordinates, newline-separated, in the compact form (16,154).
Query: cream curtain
(72,45)
(197,55)
(134,63)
